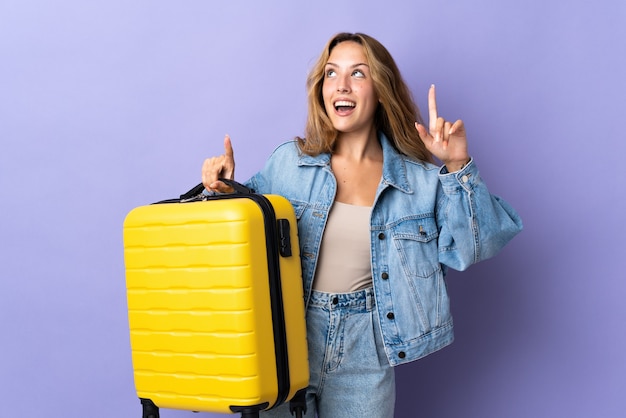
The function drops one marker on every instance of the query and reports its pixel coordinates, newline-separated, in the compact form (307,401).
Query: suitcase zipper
(276,296)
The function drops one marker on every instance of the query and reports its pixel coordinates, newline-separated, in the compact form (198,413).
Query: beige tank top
(344,263)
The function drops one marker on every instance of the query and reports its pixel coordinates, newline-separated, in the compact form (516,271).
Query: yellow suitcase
(215,303)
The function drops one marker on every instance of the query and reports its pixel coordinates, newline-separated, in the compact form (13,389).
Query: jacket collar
(394,167)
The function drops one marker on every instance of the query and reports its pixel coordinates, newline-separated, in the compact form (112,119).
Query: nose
(343,84)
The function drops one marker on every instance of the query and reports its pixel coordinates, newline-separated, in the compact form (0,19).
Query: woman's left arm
(474,224)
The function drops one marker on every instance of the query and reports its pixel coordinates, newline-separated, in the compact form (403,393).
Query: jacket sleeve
(474,225)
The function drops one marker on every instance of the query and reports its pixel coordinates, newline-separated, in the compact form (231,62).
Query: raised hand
(446,141)
(222,166)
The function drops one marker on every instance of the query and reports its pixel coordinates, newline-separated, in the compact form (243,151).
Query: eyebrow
(352,66)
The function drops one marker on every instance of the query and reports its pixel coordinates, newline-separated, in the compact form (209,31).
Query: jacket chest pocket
(415,240)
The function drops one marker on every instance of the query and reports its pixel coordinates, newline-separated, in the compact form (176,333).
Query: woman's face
(348,89)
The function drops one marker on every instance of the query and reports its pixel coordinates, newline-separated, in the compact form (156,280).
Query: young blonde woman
(379,223)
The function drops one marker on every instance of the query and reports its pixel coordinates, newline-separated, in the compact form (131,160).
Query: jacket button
(402,354)
(390,315)
(381,236)
(384,276)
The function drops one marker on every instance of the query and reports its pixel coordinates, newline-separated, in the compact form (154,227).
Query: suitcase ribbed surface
(198,305)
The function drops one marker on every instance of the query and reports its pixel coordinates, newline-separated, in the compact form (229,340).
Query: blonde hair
(396,113)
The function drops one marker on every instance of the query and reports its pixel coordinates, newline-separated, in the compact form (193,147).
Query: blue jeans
(350,373)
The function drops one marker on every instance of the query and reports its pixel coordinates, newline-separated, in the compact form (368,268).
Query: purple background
(105,106)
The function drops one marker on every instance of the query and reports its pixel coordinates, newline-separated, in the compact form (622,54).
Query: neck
(358,146)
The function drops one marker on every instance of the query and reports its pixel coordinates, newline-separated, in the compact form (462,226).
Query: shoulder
(397,161)
(420,171)
(287,149)
(284,155)
(282,160)
(290,152)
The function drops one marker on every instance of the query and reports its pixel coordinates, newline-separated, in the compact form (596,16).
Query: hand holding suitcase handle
(238,187)
(197,193)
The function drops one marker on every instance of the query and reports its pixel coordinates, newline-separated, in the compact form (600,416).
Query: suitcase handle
(199,189)
(239,188)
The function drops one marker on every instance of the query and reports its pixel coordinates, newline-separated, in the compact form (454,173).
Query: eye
(358,73)
(330,73)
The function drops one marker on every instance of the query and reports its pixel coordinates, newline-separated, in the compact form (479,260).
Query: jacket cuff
(467,177)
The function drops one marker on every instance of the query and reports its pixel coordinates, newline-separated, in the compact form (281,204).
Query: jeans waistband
(358,301)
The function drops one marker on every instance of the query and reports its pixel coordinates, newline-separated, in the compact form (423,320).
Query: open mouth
(343,106)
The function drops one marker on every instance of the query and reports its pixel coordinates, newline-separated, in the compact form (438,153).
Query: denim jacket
(423,221)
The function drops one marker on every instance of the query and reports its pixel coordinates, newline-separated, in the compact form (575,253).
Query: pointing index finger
(228,147)
(432,108)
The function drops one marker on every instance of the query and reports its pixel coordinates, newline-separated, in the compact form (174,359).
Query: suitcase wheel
(150,410)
